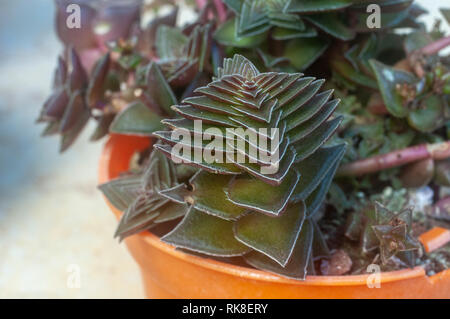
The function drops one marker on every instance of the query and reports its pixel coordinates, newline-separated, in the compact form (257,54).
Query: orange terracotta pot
(169,273)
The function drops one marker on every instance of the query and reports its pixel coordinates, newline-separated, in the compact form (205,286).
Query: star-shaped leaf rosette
(393,231)
(138,195)
(384,232)
(244,200)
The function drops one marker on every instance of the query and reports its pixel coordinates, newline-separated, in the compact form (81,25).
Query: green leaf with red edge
(429,116)
(121,192)
(315,168)
(346,70)
(331,24)
(136,119)
(255,194)
(297,266)
(159,90)
(274,237)
(388,78)
(226,35)
(302,52)
(170,42)
(204,233)
(208,196)
(315,6)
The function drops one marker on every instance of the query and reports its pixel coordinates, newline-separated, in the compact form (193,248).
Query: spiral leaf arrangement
(234,209)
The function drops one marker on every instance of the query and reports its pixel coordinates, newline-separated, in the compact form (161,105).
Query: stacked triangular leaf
(138,195)
(236,208)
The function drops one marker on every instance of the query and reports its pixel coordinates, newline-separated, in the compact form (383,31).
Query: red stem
(396,158)
(218,5)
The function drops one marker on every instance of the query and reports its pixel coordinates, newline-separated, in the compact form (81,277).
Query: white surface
(51,214)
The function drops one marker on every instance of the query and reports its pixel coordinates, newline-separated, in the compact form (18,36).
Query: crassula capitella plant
(237,67)
(232,208)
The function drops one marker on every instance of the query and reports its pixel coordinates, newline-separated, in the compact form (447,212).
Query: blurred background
(54,224)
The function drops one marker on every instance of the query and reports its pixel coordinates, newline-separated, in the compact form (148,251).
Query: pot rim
(244,272)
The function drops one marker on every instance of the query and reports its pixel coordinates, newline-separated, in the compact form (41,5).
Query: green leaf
(429,115)
(121,192)
(315,168)
(297,266)
(274,237)
(316,198)
(252,19)
(226,35)
(314,6)
(136,119)
(249,192)
(388,78)
(307,127)
(159,90)
(331,24)
(287,34)
(206,234)
(171,211)
(234,5)
(170,42)
(208,196)
(269,60)
(291,101)
(310,115)
(308,145)
(303,52)
(216,168)
(346,70)
(134,225)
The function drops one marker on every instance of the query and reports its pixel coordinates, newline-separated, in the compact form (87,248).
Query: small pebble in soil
(338,264)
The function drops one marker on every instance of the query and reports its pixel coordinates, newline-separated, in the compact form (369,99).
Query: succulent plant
(232,209)
(129,80)
(297,18)
(236,208)
(181,58)
(424,101)
(65,111)
(270,153)
(386,232)
(78,96)
(138,195)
